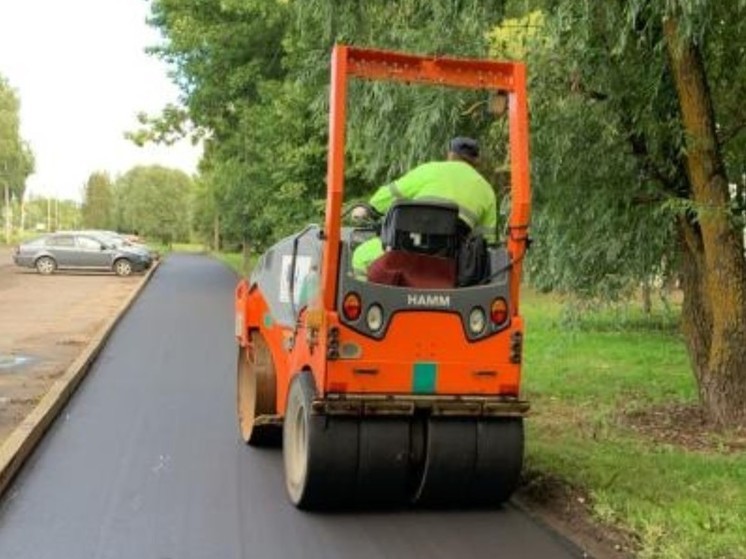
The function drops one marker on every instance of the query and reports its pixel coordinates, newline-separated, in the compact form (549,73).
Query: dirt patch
(684,426)
(45,322)
(568,510)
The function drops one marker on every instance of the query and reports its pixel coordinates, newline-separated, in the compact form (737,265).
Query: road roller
(401,389)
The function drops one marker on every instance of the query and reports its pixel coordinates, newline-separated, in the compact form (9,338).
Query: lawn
(613,402)
(234,260)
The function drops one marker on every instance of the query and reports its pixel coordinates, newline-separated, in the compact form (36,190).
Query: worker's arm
(403,188)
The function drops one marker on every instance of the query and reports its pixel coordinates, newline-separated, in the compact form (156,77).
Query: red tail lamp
(352,306)
(499,311)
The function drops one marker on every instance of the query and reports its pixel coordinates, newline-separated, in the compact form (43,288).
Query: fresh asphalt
(145,461)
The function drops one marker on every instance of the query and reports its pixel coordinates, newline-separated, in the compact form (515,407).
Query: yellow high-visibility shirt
(446,181)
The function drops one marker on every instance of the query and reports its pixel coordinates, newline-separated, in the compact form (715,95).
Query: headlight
(374,318)
(477,320)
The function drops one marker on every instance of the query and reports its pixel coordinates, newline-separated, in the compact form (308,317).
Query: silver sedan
(71,250)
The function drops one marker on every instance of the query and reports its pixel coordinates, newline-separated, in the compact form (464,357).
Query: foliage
(16,158)
(98,202)
(51,214)
(154,202)
(607,139)
(585,386)
(261,102)
(612,157)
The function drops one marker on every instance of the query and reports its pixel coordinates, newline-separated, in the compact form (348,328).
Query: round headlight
(374,318)
(477,320)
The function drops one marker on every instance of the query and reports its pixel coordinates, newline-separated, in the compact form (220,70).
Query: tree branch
(727,135)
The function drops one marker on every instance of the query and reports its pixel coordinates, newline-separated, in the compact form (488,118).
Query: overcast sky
(81,73)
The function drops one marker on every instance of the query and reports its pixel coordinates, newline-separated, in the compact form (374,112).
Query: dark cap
(466,147)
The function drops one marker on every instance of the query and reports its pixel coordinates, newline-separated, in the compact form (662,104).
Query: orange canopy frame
(380,65)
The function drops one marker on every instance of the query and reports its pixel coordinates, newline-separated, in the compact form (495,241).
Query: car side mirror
(104,247)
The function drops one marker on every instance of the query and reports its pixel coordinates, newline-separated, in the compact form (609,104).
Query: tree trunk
(647,296)
(714,267)
(216,232)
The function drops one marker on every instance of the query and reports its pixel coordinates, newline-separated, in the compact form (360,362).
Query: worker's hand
(359,213)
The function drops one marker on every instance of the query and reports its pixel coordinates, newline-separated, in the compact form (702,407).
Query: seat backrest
(423,227)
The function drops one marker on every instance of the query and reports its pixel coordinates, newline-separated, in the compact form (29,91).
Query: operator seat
(421,242)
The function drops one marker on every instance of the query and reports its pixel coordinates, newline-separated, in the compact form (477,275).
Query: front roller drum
(320,453)
(256,390)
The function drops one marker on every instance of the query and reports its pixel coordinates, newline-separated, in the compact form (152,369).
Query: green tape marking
(267,320)
(423,378)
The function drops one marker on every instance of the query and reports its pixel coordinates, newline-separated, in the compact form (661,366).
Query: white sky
(81,73)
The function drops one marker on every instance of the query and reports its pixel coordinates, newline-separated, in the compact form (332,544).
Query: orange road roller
(391,393)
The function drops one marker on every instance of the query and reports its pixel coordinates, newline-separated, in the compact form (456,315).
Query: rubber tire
(256,393)
(122,267)
(45,265)
(319,452)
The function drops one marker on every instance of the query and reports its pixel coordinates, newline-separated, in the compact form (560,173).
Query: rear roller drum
(256,394)
(384,465)
(320,453)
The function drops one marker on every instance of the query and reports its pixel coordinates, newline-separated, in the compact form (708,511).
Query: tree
(637,128)
(98,202)
(261,101)
(154,201)
(16,158)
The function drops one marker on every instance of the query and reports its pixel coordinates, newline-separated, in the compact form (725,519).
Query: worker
(455,180)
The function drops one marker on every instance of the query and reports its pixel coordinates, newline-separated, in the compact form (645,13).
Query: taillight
(499,311)
(351,306)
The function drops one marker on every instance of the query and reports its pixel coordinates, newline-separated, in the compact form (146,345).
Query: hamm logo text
(422,300)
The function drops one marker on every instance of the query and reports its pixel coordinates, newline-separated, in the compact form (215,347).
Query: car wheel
(45,265)
(123,267)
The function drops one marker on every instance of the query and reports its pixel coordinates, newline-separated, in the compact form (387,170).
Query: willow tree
(254,76)
(638,151)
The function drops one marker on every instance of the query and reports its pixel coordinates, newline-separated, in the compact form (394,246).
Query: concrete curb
(21,443)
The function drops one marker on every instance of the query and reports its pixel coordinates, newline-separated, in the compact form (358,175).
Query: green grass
(234,260)
(177,247)
(678,503)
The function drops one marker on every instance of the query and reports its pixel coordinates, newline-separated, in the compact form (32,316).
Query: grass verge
(594,389)
(234,260)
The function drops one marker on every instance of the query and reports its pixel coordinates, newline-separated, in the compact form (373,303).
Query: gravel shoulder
(45,322)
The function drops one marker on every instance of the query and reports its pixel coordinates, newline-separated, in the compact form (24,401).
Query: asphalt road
(145,462)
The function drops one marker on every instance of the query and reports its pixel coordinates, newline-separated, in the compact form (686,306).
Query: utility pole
(49,214)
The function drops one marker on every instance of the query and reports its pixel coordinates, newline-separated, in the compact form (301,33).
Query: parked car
(121,241)
(76,250)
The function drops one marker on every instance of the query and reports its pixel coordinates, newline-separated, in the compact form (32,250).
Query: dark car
(73,250)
